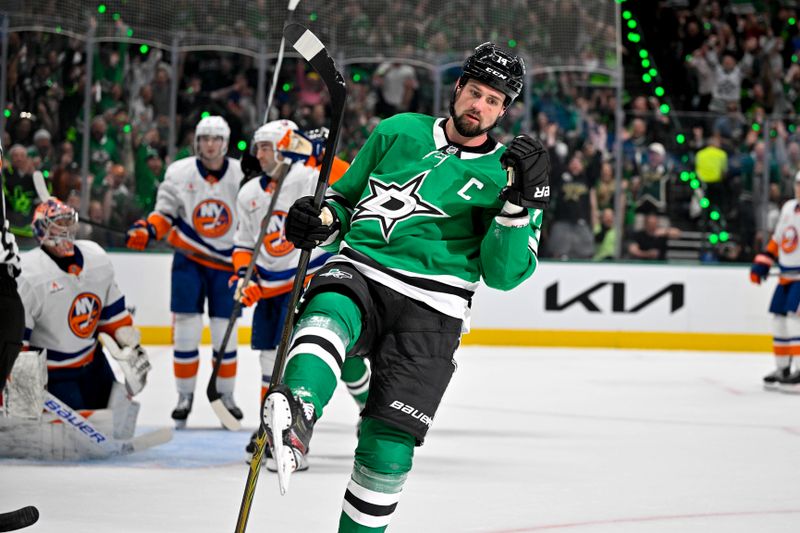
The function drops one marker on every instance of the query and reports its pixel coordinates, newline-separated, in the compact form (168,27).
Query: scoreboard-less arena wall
(564,304)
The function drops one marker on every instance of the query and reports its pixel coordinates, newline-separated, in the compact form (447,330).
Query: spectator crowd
(729,69)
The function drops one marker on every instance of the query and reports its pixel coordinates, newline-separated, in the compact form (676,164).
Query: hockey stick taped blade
(306,43)
(225,416)
(39,185)
(27,516)
(293,4)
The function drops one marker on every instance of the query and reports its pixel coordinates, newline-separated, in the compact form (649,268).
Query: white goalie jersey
(277,258)
(64,311)
(199,209)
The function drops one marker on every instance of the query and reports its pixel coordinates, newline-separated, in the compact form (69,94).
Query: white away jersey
(63,312)
(201,211)
(785,240)
(277,258)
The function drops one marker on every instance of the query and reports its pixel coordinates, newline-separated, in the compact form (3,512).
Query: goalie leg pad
(383,460)
(25,391)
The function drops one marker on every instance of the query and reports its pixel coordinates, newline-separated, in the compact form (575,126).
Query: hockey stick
(21,518)
(313,51)
(72,418)
(225,416)
(279,61)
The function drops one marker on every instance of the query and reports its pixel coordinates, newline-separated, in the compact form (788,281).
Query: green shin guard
(383,460)
(313,375)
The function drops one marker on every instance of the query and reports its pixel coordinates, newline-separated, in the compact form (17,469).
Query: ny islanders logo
(84,313)
(789,240)
(212,218)
(275,242)
(392,203)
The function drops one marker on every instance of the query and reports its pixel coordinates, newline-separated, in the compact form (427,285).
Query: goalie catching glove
(528,167)
(246,295)
(130,355)
(307,227)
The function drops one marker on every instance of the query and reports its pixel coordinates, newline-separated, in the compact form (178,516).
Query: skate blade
(279,419)
(789,389)
(773,387)
(180,424)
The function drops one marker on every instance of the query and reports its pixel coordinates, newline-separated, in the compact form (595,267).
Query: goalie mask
(279,134)
(211,127)
(55,225)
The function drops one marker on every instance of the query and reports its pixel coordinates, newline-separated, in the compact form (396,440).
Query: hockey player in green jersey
(426,210)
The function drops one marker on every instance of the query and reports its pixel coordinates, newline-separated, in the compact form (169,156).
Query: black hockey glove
(529,184)
(304,227)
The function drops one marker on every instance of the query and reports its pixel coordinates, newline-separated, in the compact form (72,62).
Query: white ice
(601,441)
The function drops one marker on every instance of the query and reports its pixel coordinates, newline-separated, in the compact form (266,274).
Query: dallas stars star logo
(392,203)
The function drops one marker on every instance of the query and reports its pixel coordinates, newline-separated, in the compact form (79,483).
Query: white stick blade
(225,416)
(40,186)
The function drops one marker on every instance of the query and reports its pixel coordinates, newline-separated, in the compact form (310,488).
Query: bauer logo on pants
(212,218)
(84,313)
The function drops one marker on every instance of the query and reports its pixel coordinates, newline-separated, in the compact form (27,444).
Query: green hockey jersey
(419,215)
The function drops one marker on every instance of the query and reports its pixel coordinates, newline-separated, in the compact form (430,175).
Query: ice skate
(773,379)
(182,410)
(790,384)
(230,405)
(289,422)
(250,450)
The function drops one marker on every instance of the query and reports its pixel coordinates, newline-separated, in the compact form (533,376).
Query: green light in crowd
(792,128)
(646,78)
(101,8)
(794,58)
(7,113)
(286,87)
(144,48)
(714,215)
(680,138)
(653,72)
(756,126)
(115,16)
(632,24)
(634,37)
(704,203)
(645,63)
(242,146)
(684,176)
(643,53)
(126,128)
(713,238)
(129,33)
(723,236)
(46,173)
(688,57)
(58,29)
(512,43)
(664,108)
(312,17)
(792,21)
(626,15)
(694,184)
(659,91)
(356,77)
(205,114)
(773,133)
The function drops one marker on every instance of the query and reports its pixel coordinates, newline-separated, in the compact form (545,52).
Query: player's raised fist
(529,173)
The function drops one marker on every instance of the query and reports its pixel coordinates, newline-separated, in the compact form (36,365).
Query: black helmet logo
(496,68)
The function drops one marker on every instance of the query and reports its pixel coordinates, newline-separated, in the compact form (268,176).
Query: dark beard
(465,128)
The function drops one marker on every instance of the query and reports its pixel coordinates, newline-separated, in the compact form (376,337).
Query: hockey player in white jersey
(288,162)
(784,249)
(195,211)
(70,296)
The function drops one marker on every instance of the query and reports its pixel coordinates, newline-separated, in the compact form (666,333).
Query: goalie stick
(72,418)
(21,518)
(214,396)
(313,51)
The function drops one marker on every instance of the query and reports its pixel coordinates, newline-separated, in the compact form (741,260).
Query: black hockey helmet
(496,68)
